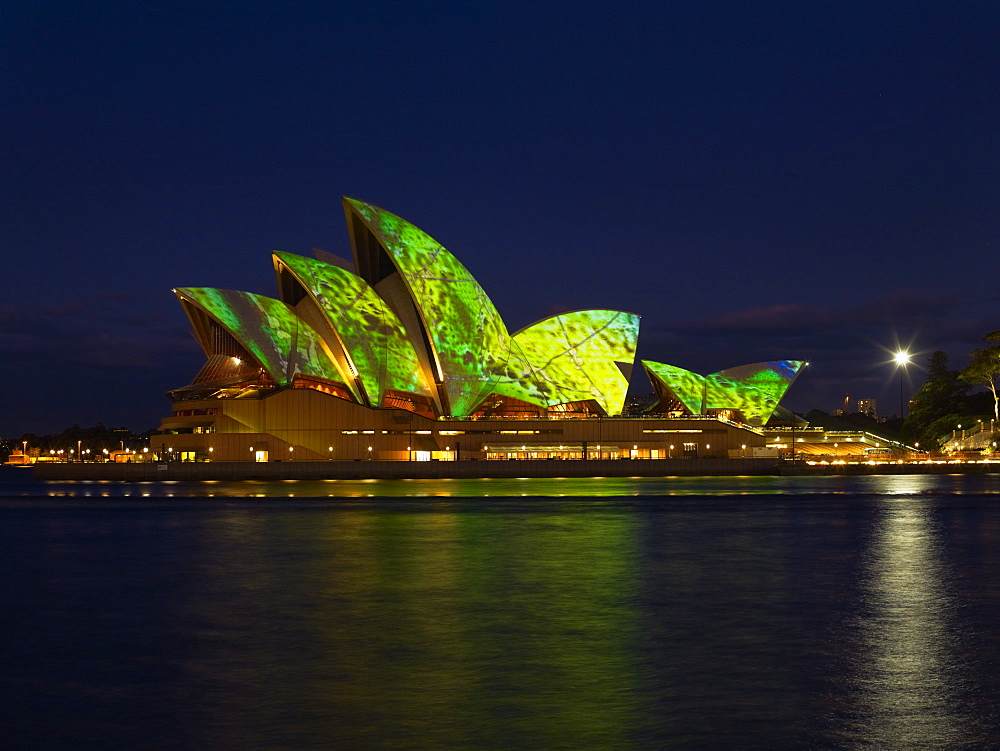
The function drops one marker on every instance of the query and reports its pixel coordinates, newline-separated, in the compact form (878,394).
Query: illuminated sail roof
(407,324)
(686,387)
(280,342)
(469,343)
(373,338)
(572,357)
(754,390)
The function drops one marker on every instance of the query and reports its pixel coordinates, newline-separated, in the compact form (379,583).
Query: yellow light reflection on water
(907,676)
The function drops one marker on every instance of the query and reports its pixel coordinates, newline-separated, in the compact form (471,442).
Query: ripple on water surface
(603,613)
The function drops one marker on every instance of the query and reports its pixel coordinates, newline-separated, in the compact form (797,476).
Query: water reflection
(822,619)
(551,487)
(909,682)
(382,628)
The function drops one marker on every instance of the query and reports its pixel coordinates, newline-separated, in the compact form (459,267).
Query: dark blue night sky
(757,180)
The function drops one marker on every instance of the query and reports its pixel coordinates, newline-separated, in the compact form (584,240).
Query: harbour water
(724,612)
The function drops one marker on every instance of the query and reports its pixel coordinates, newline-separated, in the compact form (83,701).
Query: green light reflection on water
(433,626)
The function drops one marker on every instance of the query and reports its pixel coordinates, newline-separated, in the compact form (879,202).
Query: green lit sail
(372,335)
(282,343)
(755,389)
(414,320)
(469,340)
(687,387)
(573,357)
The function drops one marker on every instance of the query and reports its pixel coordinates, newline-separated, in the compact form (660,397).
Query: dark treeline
(948,398)
(95,439)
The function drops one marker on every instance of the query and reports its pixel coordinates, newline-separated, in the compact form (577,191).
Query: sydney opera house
(399,354)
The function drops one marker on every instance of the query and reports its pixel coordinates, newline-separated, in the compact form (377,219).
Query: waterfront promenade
(394,470)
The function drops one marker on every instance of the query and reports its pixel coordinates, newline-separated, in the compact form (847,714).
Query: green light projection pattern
(372,335)
(469,340)
(687,387)
(755,389)
(282,343)
(572,357)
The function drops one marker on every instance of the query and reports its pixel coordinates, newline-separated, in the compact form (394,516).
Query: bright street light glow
(902,358)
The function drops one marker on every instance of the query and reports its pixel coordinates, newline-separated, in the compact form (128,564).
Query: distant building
(867,407)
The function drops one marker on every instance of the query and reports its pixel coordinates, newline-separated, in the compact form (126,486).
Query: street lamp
(902,359)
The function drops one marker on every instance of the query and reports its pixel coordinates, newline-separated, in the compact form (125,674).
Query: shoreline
(473,469)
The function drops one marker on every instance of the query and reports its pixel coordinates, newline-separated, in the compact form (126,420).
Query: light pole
(902,359)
